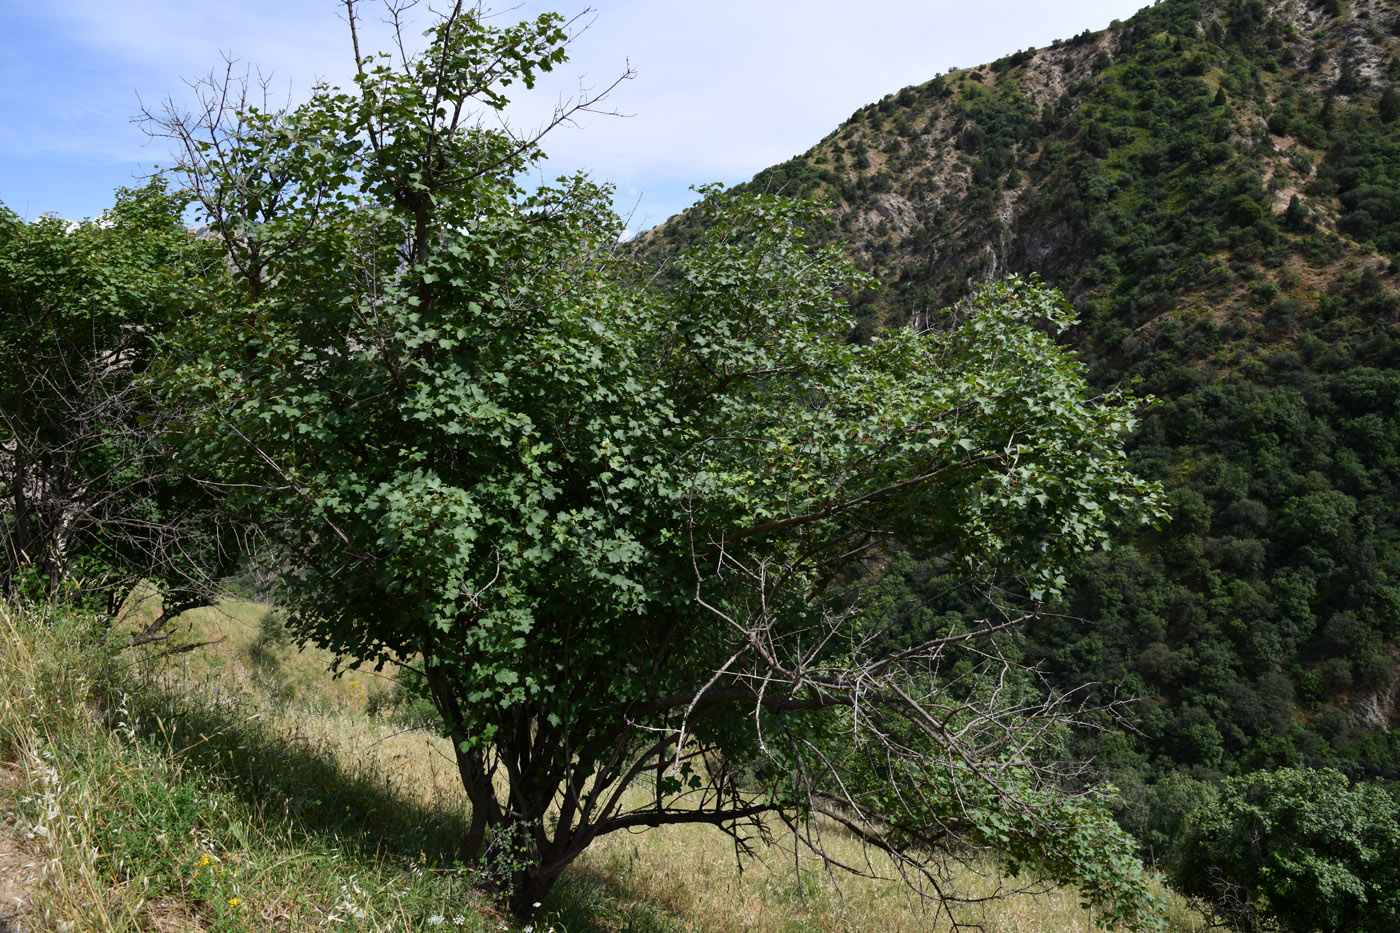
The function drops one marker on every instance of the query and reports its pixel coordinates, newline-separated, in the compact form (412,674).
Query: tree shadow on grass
(589,901)
(294,782)
(293,785)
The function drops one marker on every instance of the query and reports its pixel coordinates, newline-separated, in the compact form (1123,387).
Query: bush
(273,632)
(409,709)
(1294,851)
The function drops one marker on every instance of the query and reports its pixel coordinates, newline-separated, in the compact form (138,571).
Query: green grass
(239,787)
(172,800)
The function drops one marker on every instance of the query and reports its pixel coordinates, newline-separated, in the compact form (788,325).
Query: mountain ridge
(908,177)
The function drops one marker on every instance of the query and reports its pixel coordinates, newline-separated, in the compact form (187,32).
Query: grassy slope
(205,791)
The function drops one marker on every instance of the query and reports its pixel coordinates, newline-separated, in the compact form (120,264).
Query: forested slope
(1216,187)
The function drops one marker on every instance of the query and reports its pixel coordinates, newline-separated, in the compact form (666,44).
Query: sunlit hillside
(238,785)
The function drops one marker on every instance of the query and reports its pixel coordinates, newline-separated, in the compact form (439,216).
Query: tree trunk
(531,885)
(21,541)
(469,848)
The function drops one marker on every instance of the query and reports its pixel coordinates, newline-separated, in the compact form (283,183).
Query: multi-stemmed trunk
(534,809)
(511,845)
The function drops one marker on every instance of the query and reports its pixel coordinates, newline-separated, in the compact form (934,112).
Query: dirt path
(19,870)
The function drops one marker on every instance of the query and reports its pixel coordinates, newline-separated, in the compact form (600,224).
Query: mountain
(1215,185)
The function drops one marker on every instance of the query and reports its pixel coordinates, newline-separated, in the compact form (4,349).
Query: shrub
(1294,850)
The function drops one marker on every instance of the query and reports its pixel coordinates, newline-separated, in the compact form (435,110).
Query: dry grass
(229,635)
(691,872)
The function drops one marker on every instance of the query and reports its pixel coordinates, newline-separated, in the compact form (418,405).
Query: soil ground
(19,869)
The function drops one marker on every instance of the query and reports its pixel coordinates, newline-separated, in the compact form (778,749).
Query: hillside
(1216,188)
(233,785)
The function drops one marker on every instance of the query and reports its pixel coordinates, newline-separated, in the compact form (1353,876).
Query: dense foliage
(90,506)
(1295,851)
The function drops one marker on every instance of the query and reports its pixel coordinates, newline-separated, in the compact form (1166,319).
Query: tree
(1293,850)
(608,525)
(91,507)
(1388,108)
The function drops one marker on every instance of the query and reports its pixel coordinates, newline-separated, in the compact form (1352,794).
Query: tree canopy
(609,525)
(91,506)
(1294,850)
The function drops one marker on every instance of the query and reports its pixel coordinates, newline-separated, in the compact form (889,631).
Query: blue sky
(723,88)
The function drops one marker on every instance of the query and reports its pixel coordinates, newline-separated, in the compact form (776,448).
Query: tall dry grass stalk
(46,680)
